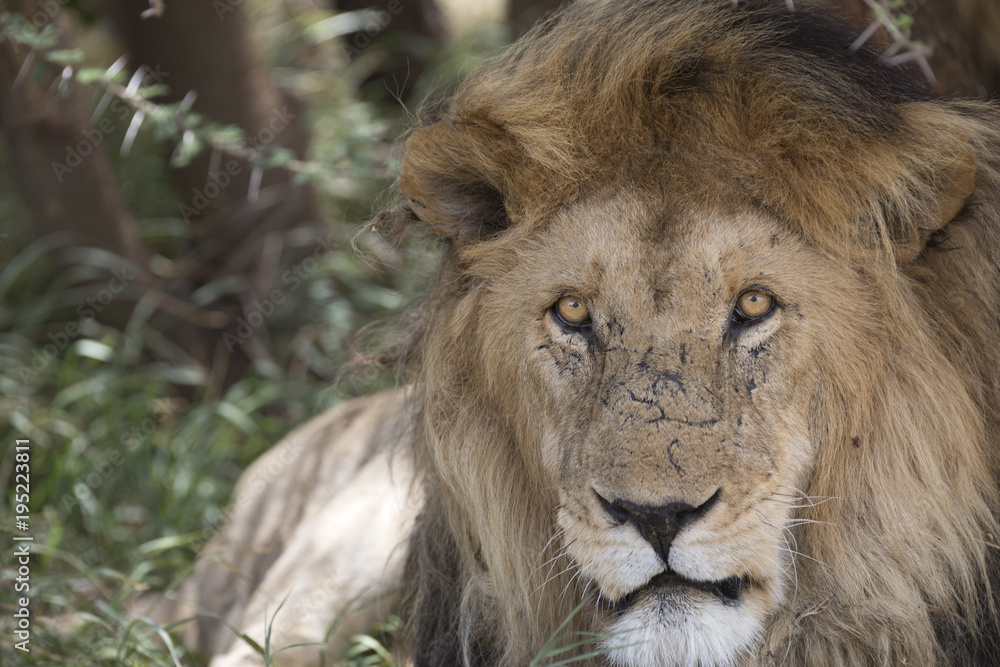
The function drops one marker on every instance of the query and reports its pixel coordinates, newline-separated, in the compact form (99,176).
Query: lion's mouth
(728,590)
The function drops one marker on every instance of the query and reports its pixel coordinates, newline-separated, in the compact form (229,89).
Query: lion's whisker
(561,572)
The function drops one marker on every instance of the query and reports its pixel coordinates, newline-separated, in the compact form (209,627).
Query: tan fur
(656,160)
(316,526)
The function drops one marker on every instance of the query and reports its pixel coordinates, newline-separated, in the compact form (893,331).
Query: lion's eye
(753,305)
(572,311)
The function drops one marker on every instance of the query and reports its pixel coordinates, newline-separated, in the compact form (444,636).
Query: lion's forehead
(658,259)
(674,401)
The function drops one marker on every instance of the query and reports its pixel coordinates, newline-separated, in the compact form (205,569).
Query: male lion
(714,358)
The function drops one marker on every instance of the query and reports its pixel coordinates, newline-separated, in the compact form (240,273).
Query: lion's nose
(658,524)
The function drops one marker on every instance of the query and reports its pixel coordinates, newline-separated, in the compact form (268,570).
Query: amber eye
(753,305)
(572,311)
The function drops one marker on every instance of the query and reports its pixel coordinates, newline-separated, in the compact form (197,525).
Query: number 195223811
(22,483)
(22,553)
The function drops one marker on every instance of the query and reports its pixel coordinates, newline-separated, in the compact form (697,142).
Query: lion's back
(317,524)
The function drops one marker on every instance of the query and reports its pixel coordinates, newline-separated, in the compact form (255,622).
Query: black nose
(658,525)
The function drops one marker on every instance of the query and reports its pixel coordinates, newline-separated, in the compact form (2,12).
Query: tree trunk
(60,164)
(205,46)
(982,20)
(242,219)
(61,167)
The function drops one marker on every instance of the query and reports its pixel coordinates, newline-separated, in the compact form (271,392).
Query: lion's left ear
(456,179)
(942,178)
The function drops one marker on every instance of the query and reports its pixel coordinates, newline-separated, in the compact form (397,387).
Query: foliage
(134,454)
(176,123)
(135,449)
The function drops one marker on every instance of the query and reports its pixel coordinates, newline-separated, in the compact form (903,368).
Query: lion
(711,376)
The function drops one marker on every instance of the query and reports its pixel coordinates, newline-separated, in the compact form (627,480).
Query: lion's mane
(748,106)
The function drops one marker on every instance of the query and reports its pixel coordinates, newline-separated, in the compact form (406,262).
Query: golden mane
(734,109)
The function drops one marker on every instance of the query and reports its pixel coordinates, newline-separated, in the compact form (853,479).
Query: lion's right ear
(942,177)
(455,178)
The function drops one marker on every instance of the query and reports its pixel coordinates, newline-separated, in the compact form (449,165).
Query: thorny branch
(903,48)
(174,120)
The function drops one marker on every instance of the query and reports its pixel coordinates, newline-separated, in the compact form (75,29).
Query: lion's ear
(454,178)
(946,176)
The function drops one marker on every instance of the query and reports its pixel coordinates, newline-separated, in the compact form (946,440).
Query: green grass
(133,459)
(134,449)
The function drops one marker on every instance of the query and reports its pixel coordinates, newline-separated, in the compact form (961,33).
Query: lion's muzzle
(658,525)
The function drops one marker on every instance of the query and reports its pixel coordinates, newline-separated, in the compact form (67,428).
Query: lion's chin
(676,621)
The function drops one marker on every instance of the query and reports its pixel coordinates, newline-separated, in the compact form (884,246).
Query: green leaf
(89,75)
(254,645)
(238,418)
(277,157)
(362,643)
(225,134)
(904,22)
(64,56)
(94,349)
(154,90)
(19,30)
(154,547)
(189,148)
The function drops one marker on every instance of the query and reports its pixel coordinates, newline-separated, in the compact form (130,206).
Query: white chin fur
(673,631)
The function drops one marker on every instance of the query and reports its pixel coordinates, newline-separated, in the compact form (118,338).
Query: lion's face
(711,341)
(670,364)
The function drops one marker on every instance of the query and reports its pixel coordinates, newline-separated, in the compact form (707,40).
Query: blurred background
(184,265)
